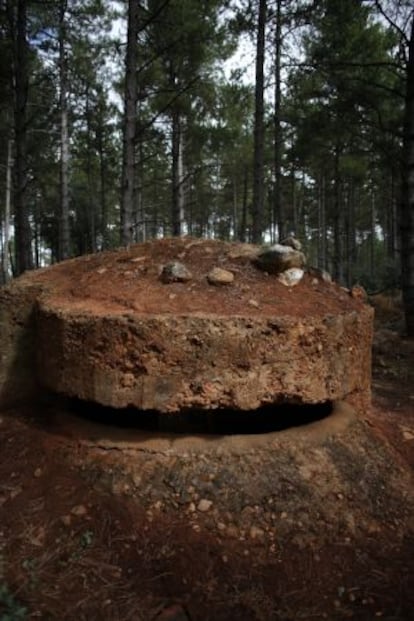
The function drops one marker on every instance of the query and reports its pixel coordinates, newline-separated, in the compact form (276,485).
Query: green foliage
(10,607)
(341,114)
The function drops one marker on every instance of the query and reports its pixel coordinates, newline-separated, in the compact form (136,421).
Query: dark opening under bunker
(221,421)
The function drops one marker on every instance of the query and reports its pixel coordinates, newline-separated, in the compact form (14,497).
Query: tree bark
(337,221)
(407,203)
(64,233)
(258,174)
(130,125)
(243,219)
(322,222)
(102,187)
(6,237)
(24,257)
(278,213)
(177,176)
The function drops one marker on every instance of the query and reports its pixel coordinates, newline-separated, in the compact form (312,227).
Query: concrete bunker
(188,336)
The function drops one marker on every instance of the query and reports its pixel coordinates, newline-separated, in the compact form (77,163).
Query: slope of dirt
(111,282)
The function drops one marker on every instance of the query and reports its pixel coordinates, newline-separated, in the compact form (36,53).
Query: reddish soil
(101,284)
(74,548)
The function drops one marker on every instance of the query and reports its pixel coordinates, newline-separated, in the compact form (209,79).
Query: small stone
(359,293)
(320,274)
(291,277)
(102,270)
(225,558)
(191,507)
(175,272)
(218,276)
(292,242)
(243,251)
(232,531)
(279,258)
(37,473)
(221,526)
(254,303)
(204,505)
(79,510)
(66,520)
(15,492)
(407,434)
(256,533)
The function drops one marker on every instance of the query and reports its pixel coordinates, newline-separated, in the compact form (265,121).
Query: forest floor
(71,549)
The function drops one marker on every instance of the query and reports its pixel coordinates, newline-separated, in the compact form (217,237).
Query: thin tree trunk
(278,213)
(139,202)
(294,203)
(337,254)
(407,203)
(177,215)
(372,237)
(102,187)
(6,236)
(235,211)
(64,233)
(89,173)
(350,233)
(24,257)
(258,173)
(130,125)
(243,221)
(322,223)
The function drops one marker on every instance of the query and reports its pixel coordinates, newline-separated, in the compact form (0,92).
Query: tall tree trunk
(130,125)
(337,221)
(5,270)
(322,223)
(177,176)
(139,202)
(407,203)
(372,237)
(91,201)
(258,173)
(235,216)
(102,187)
(350,233)
(64,233)
(278,207)
(243,219)
(24,257)
(390,219)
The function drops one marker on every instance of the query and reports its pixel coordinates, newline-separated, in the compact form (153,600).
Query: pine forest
(240,120)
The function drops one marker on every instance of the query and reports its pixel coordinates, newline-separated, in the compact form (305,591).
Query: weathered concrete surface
(105,328)
(169,362)
(17,343)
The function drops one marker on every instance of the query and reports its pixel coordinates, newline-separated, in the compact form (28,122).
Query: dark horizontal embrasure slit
(266,419)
